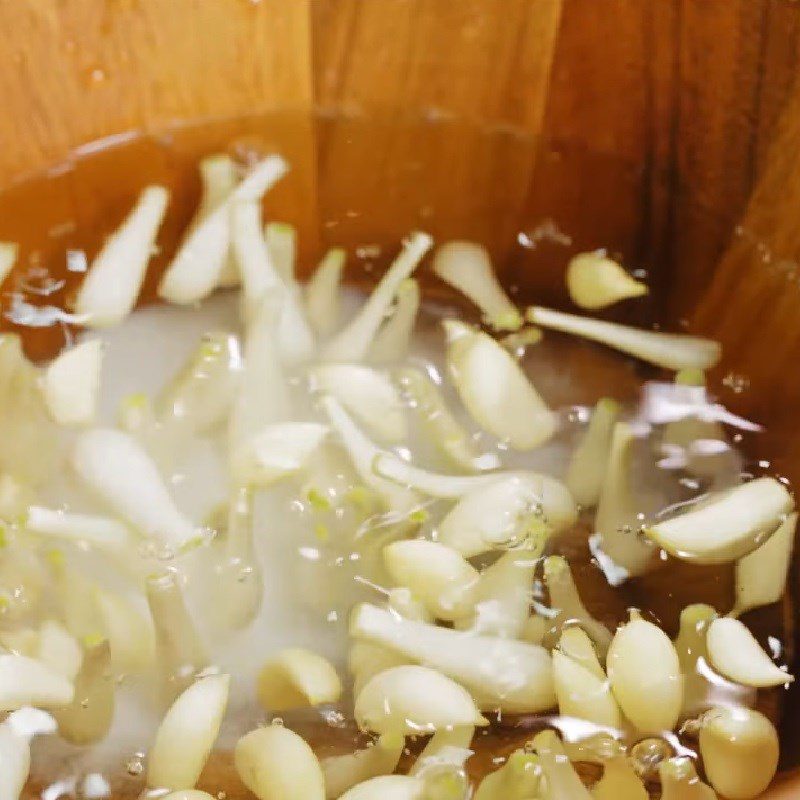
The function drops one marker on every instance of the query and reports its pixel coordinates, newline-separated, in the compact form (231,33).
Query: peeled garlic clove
(275,763)
(576,644)
(368,395)
(645,676)
(8,256)
(739,748)
(130,634)
(412,700)
(535,629)
(27,682)
(445,748)
(761,576)
(114,279)
(187,734)
(439,576)
(387,787)
(16,733)
(520,778)
(562,782)
(281,241)
(467,267)
(71,383)
(735,653)
(596,281)
(393,340)
(495,390)
(727,526)
(297,678)
(671,351)
(322,293)
(58,649)
(583,695)
(619,782)
(403,602)
(101,532)
(365,660)
(343,772)
(188,794)
(679,781)
(256,267)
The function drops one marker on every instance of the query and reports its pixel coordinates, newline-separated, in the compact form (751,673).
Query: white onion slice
(295,678)
(596,281)
(71,383)
(322,293)
(393,340)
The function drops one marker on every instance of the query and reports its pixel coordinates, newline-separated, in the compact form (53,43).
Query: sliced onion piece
(275,763)
(562,782)
(8,257)
(520,778)
(596,281)
(58,649)
(345,772)
(353,342)
(112,285)
(495,390)
(439,576)
(467,267)
(412,700)
(281,241)
(679,781)
(101,532)
(197,266)
(296,678)
(27,682)
(116,468)
(71,383)
(761,576)
(187,734)
(368,395)
(322,293)
(444,748)
(387,787)
(583,695)
(735,653)
(727,525)
(393,340)
(130,634)
(501,673)
(669,350)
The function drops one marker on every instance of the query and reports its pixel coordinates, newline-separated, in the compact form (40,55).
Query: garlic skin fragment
(520,778)
(275,764)
(495,390)
(393,340)
(467,267)
(387,787)
(583,695)
(344,772)
(71,383)
(761,575)
(739,748)
(500,673)
(679,781)
(411,700)
(27,682)
(736,655)
(561,780)
(322,293)
(645,676)
(726,526)
(368,395)
(439,576)
(675,351)
(114,279)
(187,734)
(296,678)
(596,281)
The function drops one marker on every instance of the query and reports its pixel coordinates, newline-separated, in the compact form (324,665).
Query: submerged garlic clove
(322,293)
(71,383)
(739,748)
(218,178)
(187,734)
(130,633)
(296,678)
(112,284)
(104,533)
(735,654)
(576,644)
(467,267)
(520,778)
(439,576)
(16,732)
(27,682)
(596,281)
(496,392)
(393,340)
(501,673)
(344,772)
(679,781)
(619,782)
(365,660)
(645,675)
(58,649)
(446,748)
(188,794)
(582,695)
(561,780)
(403,602)
(281,241)
(669,350)
(726,526)
(275,763)
(387,787)
(411,700)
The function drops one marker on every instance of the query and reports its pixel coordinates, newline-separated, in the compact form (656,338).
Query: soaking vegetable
(595,281)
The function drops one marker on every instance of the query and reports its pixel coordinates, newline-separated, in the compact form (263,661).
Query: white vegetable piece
(507,511)
(500,673)
(120,472)
(368,395)
(27,682)
(727,525)
(669,350)
(596,281)
(58,649)
(561,780)
(130,633)
(353,342)
(344,772)
(275,764)
(589,462)
(582,695)
(645,676)
(16,732)
(365,660)
(280,239)
(387,787)
(619,782)
(467,267)
(393,340)
(761,576)
(679,781)
(188,794)
(187,733)
(71,383)
(495,390)
(322,293)
(295,678)
(576,645)
(445,748)
(218,177)
(112,285)
(412,700)
(101,532)
(739,748)
(197,266)
(439,576)
(520,778)
(735,653)
(8,257)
